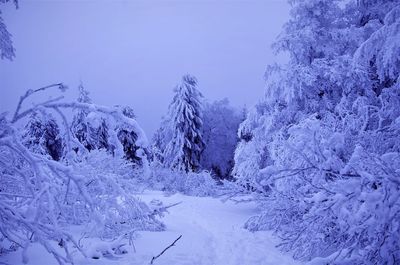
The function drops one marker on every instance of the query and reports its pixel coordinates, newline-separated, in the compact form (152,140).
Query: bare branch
(162,252)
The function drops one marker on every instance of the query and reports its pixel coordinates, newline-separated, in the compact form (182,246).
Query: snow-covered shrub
(111,182)
(191,183)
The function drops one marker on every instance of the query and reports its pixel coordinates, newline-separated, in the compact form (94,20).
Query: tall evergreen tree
(42,136)
(180,141)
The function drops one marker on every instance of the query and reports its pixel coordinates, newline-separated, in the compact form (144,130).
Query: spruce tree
(102,135)
(182,128)
(127,136)
(42,136)
(80,128)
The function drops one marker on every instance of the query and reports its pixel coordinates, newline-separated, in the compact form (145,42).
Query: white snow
(212,234)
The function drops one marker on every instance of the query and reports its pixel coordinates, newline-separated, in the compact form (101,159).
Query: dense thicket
(321,150)
(42,198)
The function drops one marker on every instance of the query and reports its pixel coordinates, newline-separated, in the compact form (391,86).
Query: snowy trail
(212,234)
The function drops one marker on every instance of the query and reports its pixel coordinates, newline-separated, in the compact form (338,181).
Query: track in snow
(212,235)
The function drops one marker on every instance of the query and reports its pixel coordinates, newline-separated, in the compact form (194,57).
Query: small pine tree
(102,136)
(128,137)
(181,131)
(80,128)
(42,136)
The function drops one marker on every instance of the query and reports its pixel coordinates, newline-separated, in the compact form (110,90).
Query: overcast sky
(135,52)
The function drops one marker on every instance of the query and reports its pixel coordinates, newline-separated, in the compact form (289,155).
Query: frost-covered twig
(29,92)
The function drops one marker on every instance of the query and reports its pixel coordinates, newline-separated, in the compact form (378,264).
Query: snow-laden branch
(40,197)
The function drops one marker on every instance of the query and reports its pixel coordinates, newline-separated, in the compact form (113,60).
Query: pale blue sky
(135,52)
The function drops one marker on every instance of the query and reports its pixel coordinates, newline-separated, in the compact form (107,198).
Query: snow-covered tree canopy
(322,149)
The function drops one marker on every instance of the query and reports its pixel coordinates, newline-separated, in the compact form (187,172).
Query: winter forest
(310,174)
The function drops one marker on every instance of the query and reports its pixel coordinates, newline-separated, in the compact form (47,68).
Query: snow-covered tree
(91,129)
(42,136)
(81,129)
(127,136)
(102,133)
(321,150)
(179,140)
(42,198)
(220,125)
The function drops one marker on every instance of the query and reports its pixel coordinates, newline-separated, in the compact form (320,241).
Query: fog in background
(134,52)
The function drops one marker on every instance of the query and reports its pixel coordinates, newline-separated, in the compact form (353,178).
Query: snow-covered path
(212,234)
(211,230)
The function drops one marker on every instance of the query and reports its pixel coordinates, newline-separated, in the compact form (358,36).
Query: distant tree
(128,137)
(102,134)
(179,141)
(221,123)
(42,136)
(81,128)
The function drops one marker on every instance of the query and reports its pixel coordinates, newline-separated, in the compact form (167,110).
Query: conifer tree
(81,129)
(128,137)
(181,137)
(42,136)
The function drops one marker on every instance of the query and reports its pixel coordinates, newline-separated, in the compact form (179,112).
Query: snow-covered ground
(212,234)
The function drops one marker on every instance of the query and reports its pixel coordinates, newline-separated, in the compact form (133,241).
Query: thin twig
(29,93)
(173,244)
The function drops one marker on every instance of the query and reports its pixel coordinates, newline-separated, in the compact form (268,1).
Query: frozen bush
(192,183)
